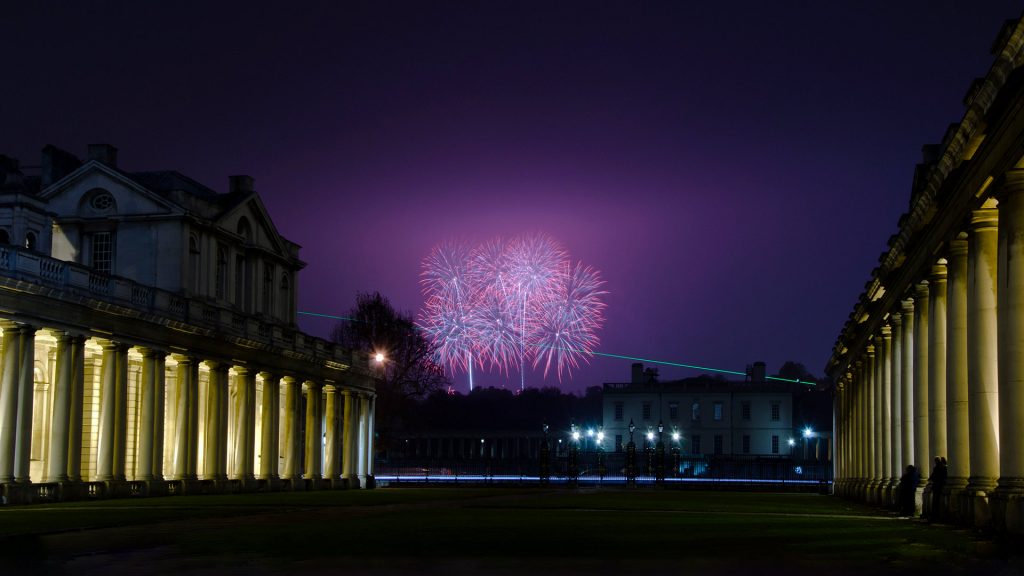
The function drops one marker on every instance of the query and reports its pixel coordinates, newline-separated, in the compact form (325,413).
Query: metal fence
(593,468)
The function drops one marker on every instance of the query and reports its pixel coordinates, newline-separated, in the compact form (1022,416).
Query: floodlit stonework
(149,343)
(931,362)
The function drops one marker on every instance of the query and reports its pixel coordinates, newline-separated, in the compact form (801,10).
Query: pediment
(75,195)
(251,213)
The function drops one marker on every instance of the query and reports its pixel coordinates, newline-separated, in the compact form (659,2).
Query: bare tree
(408,371)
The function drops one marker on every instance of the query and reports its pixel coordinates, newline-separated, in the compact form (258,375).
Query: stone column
(371,418)
(348,440)
(957,432)
(26,392)
(858,438)
(896,464)
(57,459)
(290,428)
(147,415)
(921,339)
(9,383)
(120,412)
(159,408)
(331,471)
(245,423)
(77,408)
(884,344)
(268,427)
(870,411)
(1008,499)
(215,441)
(937,362)
(108,413)
(314,440)
(184,399)
(982,361)
(907,382)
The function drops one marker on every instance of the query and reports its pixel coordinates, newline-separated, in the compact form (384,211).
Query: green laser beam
(328,316)
(622,357)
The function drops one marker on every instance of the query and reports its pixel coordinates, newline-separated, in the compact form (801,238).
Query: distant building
(149,341)
(712,417)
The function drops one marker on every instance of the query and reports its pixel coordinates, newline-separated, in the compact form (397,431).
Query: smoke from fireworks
(504,304)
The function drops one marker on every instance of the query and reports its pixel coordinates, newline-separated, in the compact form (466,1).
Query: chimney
(56,164)
(757,373)
(103,153)
(10,173)
(241,184)
(638,373)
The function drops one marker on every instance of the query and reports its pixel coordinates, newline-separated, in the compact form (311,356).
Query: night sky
(733,169)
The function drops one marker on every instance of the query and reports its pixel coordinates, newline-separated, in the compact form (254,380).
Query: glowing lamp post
(600,454)
(631,456)
(545,457)
(649,451)
(574,449)
(660,455)
(675,450)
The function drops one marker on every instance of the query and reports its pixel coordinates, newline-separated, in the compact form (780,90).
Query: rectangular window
(745,406)
(718,411)
(222,272)
(718,444)
(618,410)
(647,410)
(746,444)
(673,410)
(618,442)
(695,444)
(775,411)
(695,411)
(101,257)
(775,444)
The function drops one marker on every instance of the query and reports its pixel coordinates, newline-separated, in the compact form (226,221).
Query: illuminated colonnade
(87,416)
(931,361)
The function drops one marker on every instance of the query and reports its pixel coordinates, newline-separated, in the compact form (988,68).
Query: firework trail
(503,304)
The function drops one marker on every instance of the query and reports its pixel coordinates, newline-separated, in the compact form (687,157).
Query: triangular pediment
(68,196)
(251,210)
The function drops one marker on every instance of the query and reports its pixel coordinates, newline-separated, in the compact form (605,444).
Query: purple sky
(734,172)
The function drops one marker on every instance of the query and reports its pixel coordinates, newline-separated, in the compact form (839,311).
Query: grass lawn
(454,531)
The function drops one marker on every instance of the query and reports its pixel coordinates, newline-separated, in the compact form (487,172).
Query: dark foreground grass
(456,531)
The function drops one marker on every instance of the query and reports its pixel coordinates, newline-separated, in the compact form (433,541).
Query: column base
(977,505)
(1007,507)
(351,482)
(954,505)
(371,482)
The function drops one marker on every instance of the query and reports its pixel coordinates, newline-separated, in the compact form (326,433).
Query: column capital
(897,319)
(920,291)
(869,350)
(986,217)
(242,370)
(1011,182)
(907,307)
(268,375)
(886,333)
(184,358)
(148,352)
(217,365)
(938,271)
(958,246)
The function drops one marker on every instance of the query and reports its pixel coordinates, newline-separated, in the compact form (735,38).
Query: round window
(102,202)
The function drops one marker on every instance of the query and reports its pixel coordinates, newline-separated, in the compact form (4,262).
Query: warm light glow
(378,357)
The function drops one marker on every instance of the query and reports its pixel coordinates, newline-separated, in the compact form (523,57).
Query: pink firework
(504,304)
(566,322)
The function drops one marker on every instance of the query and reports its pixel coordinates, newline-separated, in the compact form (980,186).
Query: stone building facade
(149,343)
(712,417)
(931,361)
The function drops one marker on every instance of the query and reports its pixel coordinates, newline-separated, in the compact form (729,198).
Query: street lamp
(574,448)
(631,456)
(676,436)
(545,456)
(660,455)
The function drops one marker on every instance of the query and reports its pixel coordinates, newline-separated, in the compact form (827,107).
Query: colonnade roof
(954,178)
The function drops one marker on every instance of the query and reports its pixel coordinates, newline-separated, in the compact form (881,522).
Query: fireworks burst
(504,304)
